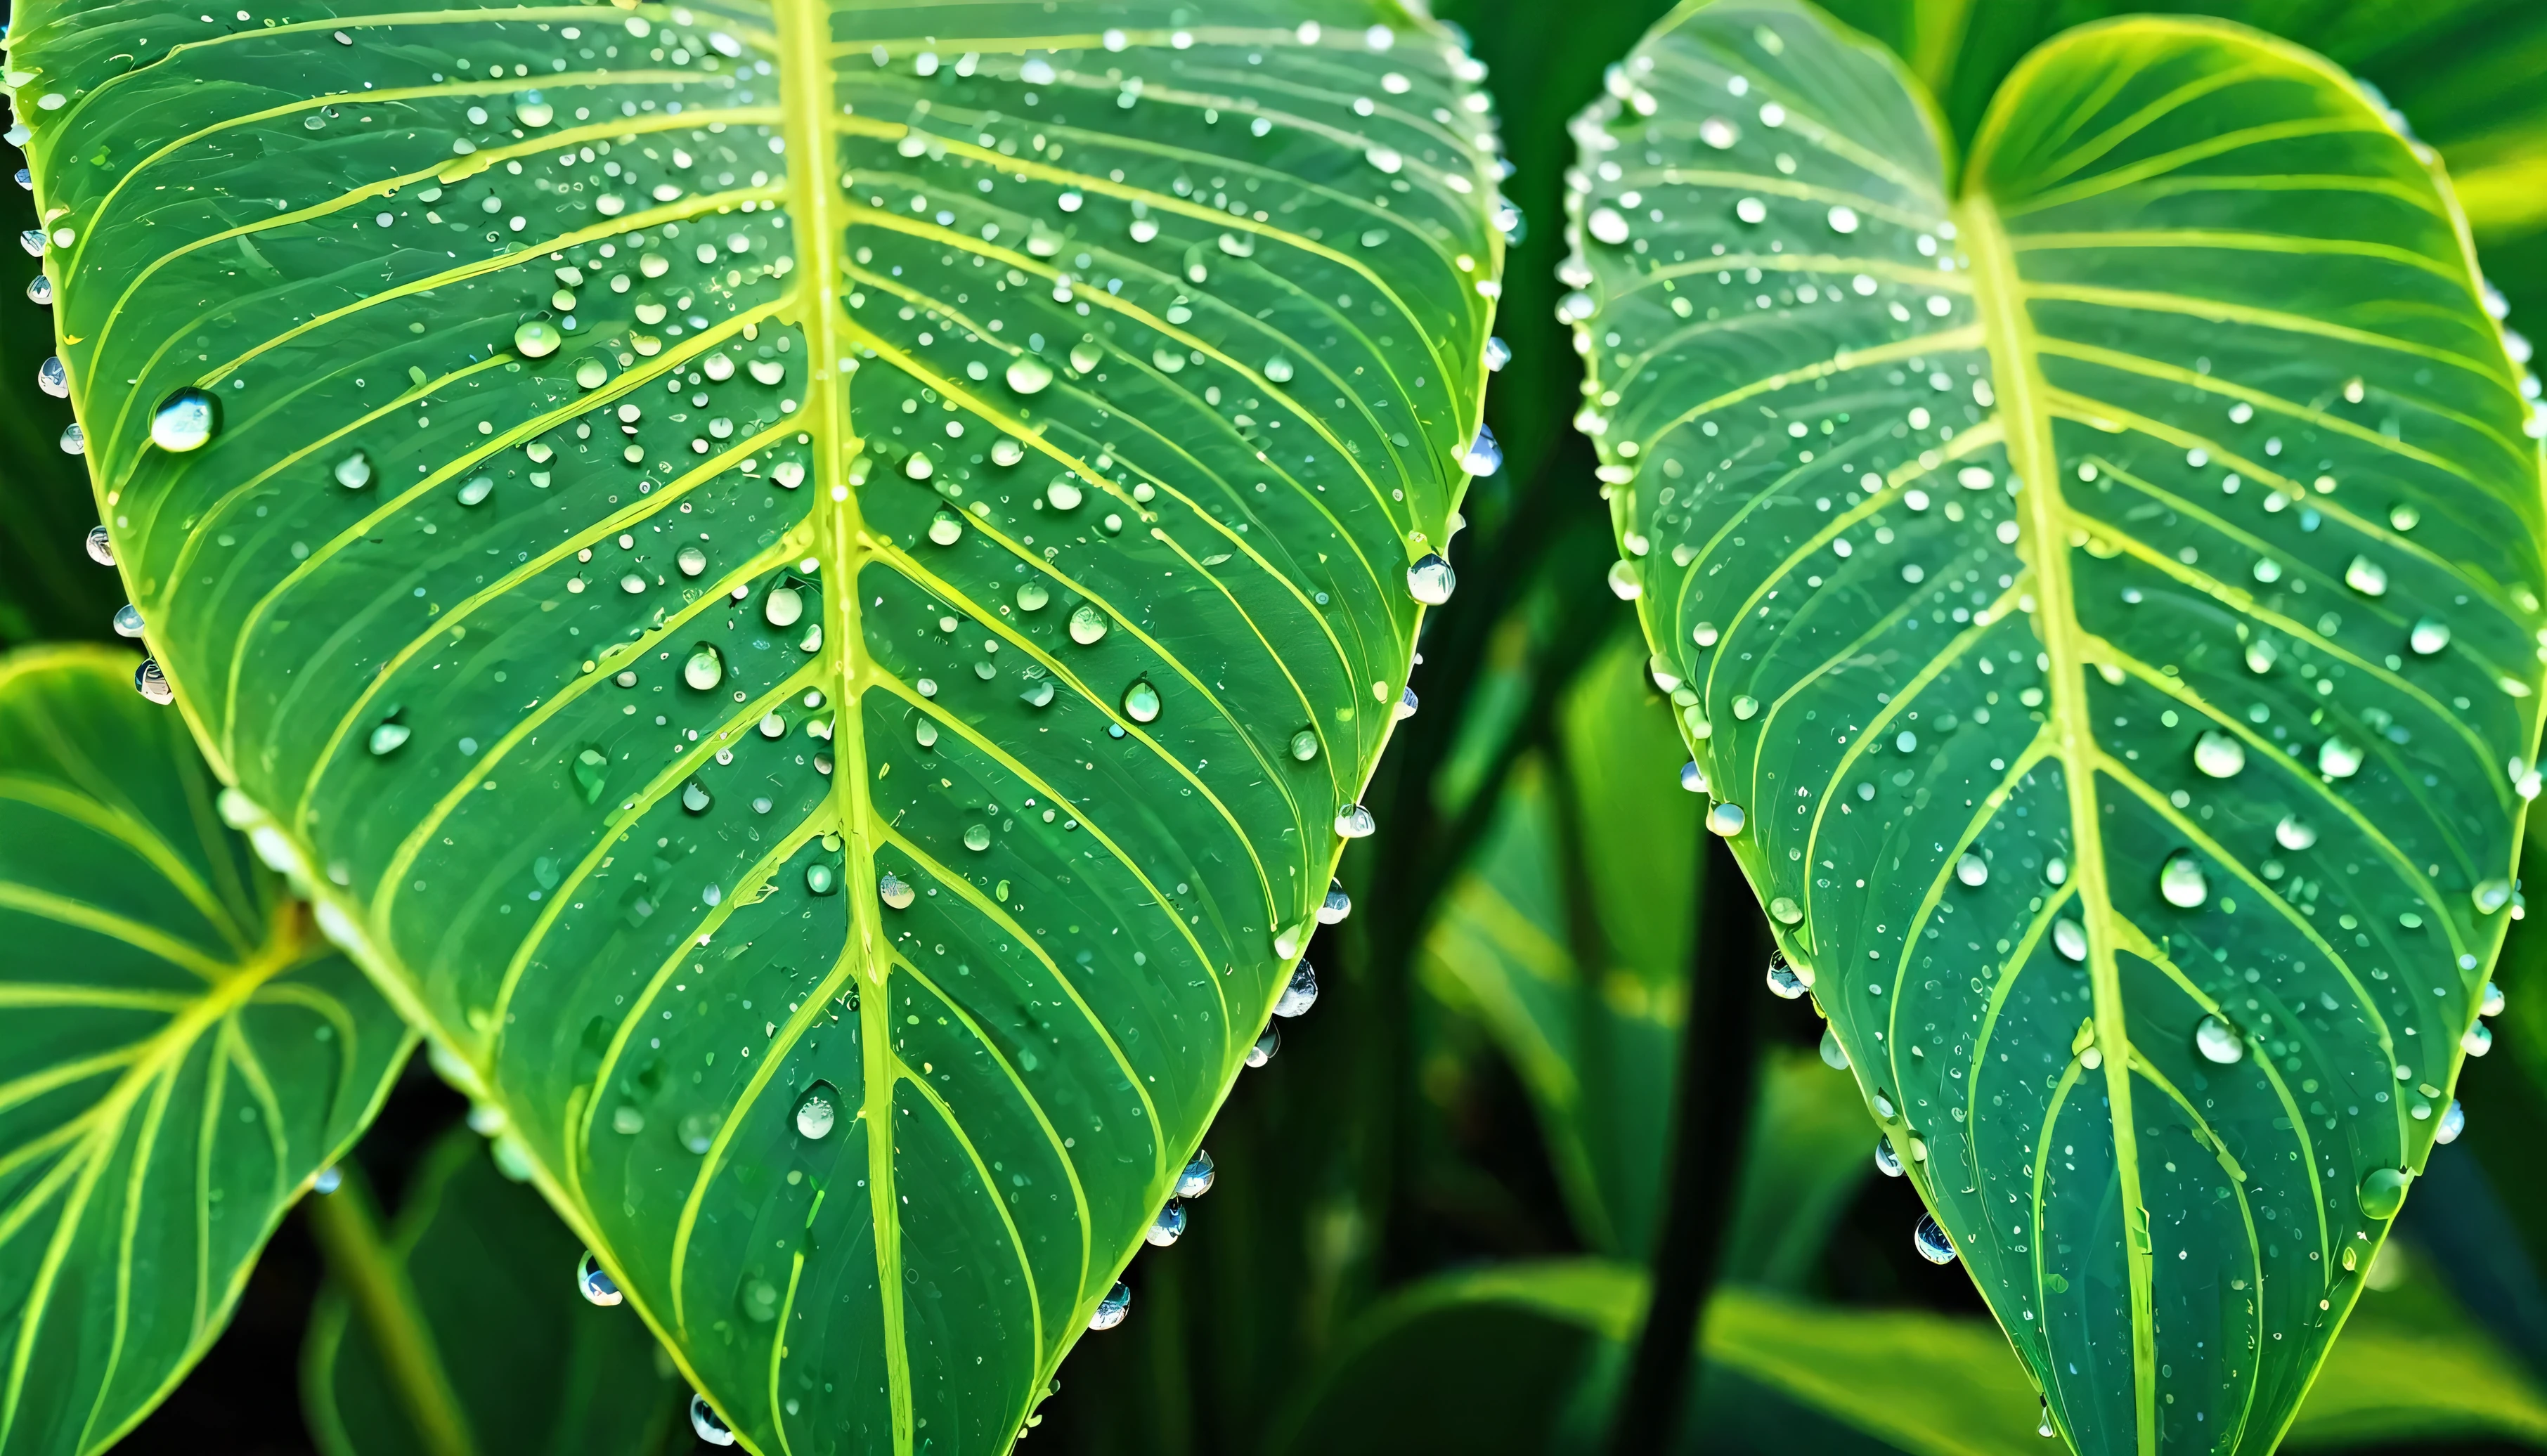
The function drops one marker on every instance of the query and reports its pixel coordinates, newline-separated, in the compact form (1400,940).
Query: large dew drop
(101,546)
(1300,994)
(592,373)
(1353,822)
(1784,983)
(2338,758)
(1141,702)
(1931,1240)
(817,1111)
(354,471)
(1168,1227)
(820,877)
(1724,820)
(1087,625)
(1483,455)
(2294,833)
(705,669)
(1834,1055)
(1110,1310)
(1196,1180)
(537,339)
(2218,1041)
(1032,595)
(52,378)
(2069,939)
(1267,1044)
(1430,580)
(2182,881)
(2453,1122)
(782,606)
(1337,906)
(894,891)
(1028,375)
(2430,635)
(388,737)
(1887,1161)
(150,682)
(128,620)
(1972,870)
(711,1428)
(2217,754)
(2383,1192)
(185,421)
(1304,745)
(596,1286)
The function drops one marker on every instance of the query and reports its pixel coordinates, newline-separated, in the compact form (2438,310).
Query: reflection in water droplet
(101,546)
(1784,983)
(1887,1161)
(147,681)
(185,420)
(2430,635)
(820,877)
(946,527)
(1724,820)
(1087,625)
(1084,358)
(2293,833)
(977,837)
(1141,701)
(1784,910)
(1972,870)
(1483,455)
(1336,907)
(2478,1040)
(1354,822)
(1300,994)
(696,798)
(354,471)
(1932,1241)
(1430,580)
(1198,1178)
(692,560)
(782,607)
(698,1131)
(2338,758)
(1031,596)
(595,1285)
(1028,375)
(1304,745)
(2181,880)
(52,378)
(705,669)
(2383,1192)
(2453,1122)
(592,373)
(891,889)
(2218,1041)
(388,737)
(817,1111)
(1268,1042)
(1064,495)
(1693,778)
(532,112)
(2219,754)
(2490,1000)
(1113,1307)
(1168,1227)
(128,620)
(709,1426)
(2366,577)
(537,339)
(1834,1055)
(2069,939)
(477,490)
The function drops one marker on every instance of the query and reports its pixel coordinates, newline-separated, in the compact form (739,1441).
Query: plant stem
(1713,1089)
(359,1260)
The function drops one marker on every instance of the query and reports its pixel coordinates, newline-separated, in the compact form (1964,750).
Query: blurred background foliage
(1436,1208)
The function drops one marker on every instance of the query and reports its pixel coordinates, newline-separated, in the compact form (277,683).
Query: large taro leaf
(784,572)
(183,1052)
(2105,576)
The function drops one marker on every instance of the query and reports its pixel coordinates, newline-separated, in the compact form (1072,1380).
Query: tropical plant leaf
(486,1278)
(2106,580)
(183,1054)
(856,604)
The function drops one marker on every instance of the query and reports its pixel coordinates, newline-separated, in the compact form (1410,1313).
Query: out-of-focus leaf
(486,1275)
(179,1053)
(2102,571)
(1809,1152)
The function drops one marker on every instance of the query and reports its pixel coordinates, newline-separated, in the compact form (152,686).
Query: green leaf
(184,1054)
(2106,575)
(707,891)
(485,1284)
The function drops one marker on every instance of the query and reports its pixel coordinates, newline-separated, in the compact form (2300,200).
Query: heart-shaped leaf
(814,587)
(2106,575)
(183,1054)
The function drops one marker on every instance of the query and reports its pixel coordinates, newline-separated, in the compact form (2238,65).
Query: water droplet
(1304,745)
(1751,210)
(817,1111)
(591,773)
(475,491)
(1354,822)
(692,560)
(1031,596)
(2292,833)
(2047,1430)
(2491,895)
(1784,983)
(2219,754)
(537,339)
(52,378)
(1887,1161)
(1087,625)
(1746,706)
(705,669)
(532,112)
(1724,820)
(1498,353)
(893,891)
(2181,880)
(1267,1044)
(592,373)
(1719,133)
(150,683)
(1300,994)
(947,526)
(2338,758)
(1932,1241)
(2453,1122)
(2366,577)
(101,546)
(1483,455)
(1064,495)
(1843,219)
(2478,1040)
(1693,778)
(1972,870)
(2055,870)
(1141,701)
(2490,1000)
(39,290)
(33,241)
(1110,1310)
(1430,580)
(977,837)
(388,737)
(1336,907)
(1834,1055)
(354,471)
(782,607)
(1028,375)
(595,1285)
(709,1426)
(128,620)
(2430,635)
(2069,939)
(2383,1192)
(696,798)
(185,420)
(1606,225)
(768,371)
(820,877)
(1784,910)
(1196,1180)
(2218,1041)
(74,440)
(1627,582)
(1883,1106)
(2262,655)
(1168,1227)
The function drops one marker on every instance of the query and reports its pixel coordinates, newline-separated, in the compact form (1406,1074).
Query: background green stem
(348,1231)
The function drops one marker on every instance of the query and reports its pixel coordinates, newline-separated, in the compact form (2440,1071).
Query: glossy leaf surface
(487,1277)
(183,1052)
(808,582)
(2107,579)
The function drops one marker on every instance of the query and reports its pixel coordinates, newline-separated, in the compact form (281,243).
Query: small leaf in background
(481,1280)
(2106,586)
(183,1052)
